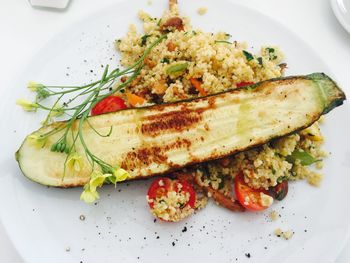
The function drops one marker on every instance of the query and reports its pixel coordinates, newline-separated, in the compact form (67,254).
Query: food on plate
(171,199)
(225,119)
(288,234)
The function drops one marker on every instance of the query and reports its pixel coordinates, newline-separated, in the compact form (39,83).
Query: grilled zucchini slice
(158,139)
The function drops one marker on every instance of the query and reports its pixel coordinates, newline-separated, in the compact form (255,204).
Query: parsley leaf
(271,52)
(144,39)
(165,60)
(248,55)
(304,157)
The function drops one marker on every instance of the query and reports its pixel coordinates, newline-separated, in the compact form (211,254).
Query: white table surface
(24,30)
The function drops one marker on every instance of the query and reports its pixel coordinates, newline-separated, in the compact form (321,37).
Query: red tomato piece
(243,84)
(158,188)
(186,187)
(108,104)
(248,197)
(161,186)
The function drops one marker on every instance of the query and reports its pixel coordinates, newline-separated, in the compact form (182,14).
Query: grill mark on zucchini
(154,154)
(170,121)
(178,120)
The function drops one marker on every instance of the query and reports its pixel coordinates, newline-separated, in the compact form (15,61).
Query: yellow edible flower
(97,179)
(89,196)
(74,162)
(27,105)
(34,86)
(119,175)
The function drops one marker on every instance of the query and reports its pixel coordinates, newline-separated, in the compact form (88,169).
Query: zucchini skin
(162,138)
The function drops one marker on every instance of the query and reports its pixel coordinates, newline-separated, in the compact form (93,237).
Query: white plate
(341,9)
(43,222)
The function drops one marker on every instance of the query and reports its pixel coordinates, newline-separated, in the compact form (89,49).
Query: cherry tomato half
(161,186)
(248,197)
(244,83)
(108,104)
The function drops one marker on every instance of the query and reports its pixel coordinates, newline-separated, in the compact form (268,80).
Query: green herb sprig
(90,94)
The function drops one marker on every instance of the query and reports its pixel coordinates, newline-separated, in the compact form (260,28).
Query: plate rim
(79,21)
(339,15)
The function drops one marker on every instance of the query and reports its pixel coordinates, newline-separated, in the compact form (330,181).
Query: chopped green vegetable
(159,21)
(222,182)
(260,61)
(304,157)
(247,55)
(144,39)
(222,41)
(176,68)
(165,60)
(271,52)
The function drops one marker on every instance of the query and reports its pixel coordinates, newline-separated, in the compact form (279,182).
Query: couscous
(209,63)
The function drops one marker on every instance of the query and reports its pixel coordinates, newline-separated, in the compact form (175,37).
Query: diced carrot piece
(159,87)
(171,46)
(149,62)
(198,86)
(134,100)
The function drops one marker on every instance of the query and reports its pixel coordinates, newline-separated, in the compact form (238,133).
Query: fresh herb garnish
(248,55)
(72,130)
(305,158)
(271,52)
(144,39)
(260,61)
(165,60)
(222,41)
(222,182)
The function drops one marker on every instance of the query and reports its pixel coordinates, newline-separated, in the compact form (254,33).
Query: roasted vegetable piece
(162,138)
(279,191)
